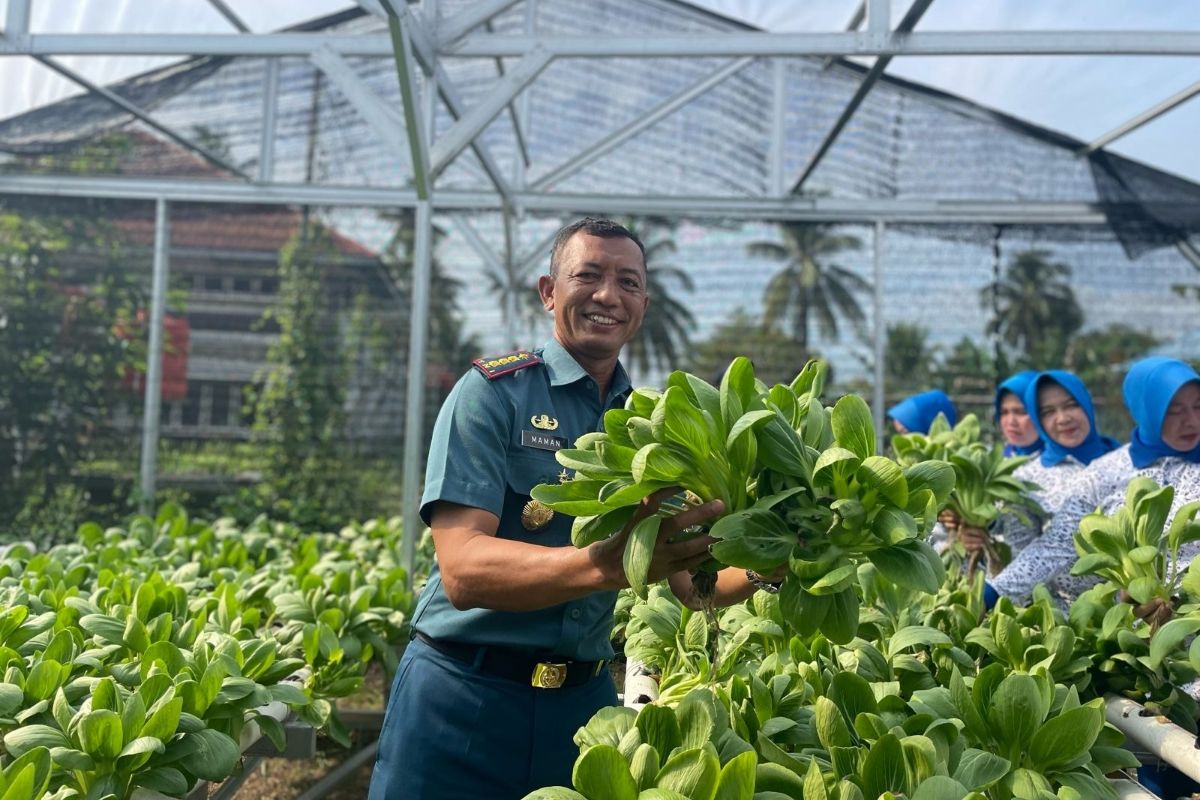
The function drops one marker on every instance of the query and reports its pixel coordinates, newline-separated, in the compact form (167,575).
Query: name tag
(542,441)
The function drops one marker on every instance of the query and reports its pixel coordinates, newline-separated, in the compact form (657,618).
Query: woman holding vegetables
(1065,425)
(1020,438)
(1163,397)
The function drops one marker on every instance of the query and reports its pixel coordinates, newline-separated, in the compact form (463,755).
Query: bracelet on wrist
(757,581)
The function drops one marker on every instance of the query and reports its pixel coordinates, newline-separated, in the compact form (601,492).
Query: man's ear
(546,291)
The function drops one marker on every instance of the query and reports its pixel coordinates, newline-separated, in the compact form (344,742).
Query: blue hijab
(1017,384)
(1090,448)
(918,412)
(1149,388)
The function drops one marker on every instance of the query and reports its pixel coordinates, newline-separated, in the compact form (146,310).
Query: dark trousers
(452,732)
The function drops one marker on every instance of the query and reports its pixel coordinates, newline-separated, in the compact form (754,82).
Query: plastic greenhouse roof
(749,135)
(1083,96)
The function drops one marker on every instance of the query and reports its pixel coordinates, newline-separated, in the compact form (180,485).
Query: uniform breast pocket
(525,518)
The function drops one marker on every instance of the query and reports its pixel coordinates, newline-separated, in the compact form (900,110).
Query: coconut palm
(1034,306)
(666,329)
(810,286)
(908,357)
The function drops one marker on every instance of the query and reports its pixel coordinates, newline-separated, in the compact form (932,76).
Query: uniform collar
(564,369)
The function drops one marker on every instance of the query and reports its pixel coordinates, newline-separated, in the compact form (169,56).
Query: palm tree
(666,329)
(741,334)
(1034,306)
(908,358)
(450,349)
(809,285)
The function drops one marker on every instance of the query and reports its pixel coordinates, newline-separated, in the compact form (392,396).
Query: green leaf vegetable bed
(874,674)
(135,657)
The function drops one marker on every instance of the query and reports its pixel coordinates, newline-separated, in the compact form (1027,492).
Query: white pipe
(1157,734)
(1128,790)
(639,684)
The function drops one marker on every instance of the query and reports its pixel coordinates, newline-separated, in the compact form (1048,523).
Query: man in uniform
(512,629)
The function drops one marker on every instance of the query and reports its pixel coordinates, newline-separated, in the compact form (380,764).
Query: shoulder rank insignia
(495,366)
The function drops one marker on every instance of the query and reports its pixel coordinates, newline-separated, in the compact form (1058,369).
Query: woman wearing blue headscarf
(1020,439)
(1064,420)
(915,414)
(1016,423)
(1163,397)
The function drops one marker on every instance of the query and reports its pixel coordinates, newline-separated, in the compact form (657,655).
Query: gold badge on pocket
(536,515)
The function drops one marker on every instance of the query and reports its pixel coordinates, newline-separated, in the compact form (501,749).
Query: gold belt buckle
(549,676)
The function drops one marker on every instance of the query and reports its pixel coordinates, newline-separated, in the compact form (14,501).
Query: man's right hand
(672,553)
(949,519)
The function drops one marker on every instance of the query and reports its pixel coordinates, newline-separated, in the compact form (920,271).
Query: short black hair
(592,226)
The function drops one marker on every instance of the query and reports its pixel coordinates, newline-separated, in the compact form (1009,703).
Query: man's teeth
(601,319)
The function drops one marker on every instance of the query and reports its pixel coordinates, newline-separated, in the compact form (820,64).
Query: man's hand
(672,552)
(774,576)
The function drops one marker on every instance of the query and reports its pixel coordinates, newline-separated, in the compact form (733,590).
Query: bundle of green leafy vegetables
(985,486)
(800,483)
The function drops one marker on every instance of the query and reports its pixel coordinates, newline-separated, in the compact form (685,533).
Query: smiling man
(511,633)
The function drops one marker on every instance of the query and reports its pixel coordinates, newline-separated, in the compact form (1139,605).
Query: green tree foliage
(908,358)
(1101,358)
(1034,307)
(299,410)
(810,287)
(66,288)
(776,356)
(449,346)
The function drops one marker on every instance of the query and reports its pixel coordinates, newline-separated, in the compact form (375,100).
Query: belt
(545,672)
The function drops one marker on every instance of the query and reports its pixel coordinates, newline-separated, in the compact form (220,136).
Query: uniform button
(575,613)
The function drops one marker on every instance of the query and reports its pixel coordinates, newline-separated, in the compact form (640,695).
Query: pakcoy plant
(800,483)
(1028,737)
(688,751)
(182,632)
(1032,639)
(1131,660)
(984,482)
(1135,550)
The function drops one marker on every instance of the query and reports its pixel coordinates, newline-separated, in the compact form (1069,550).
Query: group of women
(1050,417)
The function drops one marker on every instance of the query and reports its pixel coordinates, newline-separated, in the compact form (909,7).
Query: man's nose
(606,290)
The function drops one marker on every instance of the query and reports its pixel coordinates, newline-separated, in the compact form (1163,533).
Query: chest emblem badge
(544,422)
(536,515)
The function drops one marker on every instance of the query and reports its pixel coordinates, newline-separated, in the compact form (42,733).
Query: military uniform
(464,720)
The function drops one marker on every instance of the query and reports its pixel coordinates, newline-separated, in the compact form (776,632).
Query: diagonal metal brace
(623,134)
(406,73)
(906,25)
(143,115)
(461,24)
(384,120)
(425,54)
(474,121)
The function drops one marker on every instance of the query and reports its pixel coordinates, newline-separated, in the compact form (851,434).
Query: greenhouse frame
(440,144)
(454,136)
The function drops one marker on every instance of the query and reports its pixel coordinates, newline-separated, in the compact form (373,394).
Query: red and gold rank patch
(494,366)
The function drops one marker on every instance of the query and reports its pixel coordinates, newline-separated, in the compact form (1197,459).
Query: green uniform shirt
(487,452)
